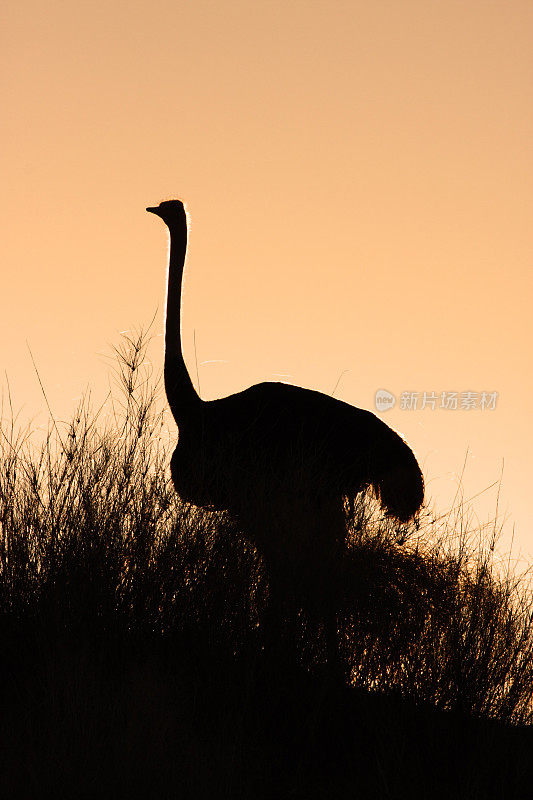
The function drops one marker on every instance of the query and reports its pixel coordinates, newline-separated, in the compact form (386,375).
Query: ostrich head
(170,211)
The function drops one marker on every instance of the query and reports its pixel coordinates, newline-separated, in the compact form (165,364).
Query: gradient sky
(359,182)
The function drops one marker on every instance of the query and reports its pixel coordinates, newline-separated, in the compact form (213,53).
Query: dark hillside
(139,656)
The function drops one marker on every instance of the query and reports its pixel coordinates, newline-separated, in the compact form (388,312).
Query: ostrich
(277,451)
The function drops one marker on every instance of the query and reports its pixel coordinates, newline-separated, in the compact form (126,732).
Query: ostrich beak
(153,210)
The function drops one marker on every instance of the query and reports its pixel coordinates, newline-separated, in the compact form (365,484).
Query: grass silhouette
(135,659)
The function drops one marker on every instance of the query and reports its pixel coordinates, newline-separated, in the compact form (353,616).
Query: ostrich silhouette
(281,458)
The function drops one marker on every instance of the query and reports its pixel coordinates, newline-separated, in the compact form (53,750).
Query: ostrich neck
(181,394)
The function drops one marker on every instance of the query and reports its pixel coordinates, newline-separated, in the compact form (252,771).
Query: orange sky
(358,176)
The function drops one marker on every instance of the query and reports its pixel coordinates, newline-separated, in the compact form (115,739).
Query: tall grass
(94,543)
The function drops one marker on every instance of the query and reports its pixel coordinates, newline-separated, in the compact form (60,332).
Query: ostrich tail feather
(401,489)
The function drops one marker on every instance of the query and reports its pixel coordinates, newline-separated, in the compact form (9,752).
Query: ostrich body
(277,446)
